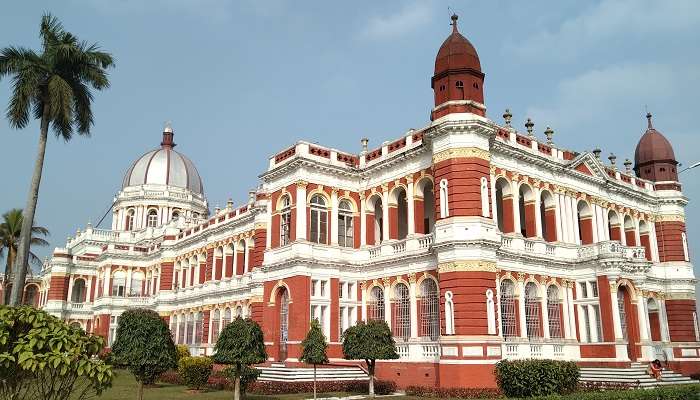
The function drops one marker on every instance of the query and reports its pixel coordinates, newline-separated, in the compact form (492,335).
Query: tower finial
(167,136)
(649,125)
(454,22)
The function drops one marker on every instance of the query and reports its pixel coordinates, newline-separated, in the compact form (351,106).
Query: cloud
(218,11)
(610,19)
(614,97)
(409,18)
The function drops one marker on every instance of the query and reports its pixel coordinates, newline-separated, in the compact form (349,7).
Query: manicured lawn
(124,388)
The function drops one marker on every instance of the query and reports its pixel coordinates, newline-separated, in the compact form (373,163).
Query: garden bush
(195,371)
(182,351)
(679,392)
(453,393)
(529,378)
(276,388)
(171,377)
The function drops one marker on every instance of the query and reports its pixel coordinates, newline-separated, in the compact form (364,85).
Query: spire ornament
(507,117)
(612,157)
(529,125)
(549,133)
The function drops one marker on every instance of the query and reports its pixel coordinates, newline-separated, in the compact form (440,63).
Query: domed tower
(458,80)
(654,158)
(160,186)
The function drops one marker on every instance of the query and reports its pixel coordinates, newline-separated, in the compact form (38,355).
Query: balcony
(573,253)
(115,301)
(392,249)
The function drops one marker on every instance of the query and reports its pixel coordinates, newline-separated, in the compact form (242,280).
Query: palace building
(474,241)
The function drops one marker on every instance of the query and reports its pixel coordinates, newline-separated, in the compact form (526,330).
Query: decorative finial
(649,125)
(217,210)
(507,117)
(229,204)
(549,132)
(596,153)
(168,136)
(454,22)
(628,165)
(612,157)
(529,125)
(251,197)
(364,142)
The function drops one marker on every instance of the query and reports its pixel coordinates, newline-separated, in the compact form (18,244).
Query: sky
(243,80)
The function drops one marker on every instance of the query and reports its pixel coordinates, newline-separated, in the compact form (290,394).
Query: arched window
(622,310)
(428,206)
(401,213)
(375,304)
(319,218)
(554,312)
(30,293)
(198,328)
(136,287)
(227,318)
(585,223)
(215,325)
(402,312)
(378,213)
(239,312)
(176,215)
(173,328)
(444,200)
(181,329)
(532,311)
(345,228)
(429,310)
(78,295)
(190,328)
(285,220)
(459,84)
(195,215)
(119,284)
(504,206)
(152,218)
(509,324)
(129,222)
(547,215)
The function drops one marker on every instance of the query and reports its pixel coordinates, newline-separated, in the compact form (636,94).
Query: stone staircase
(280,372)
(635,375)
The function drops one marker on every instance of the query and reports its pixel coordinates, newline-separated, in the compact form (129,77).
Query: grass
(124,387)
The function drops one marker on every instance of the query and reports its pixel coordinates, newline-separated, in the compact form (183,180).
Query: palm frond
(40,230)
(82,99)
(38,242)
(60,97)
(50,30)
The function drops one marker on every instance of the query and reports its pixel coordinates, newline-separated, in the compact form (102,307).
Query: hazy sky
(243,80)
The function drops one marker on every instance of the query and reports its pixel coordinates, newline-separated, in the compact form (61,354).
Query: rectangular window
(314,290)
(598,322)
(323,288)
(341,285)
(586,324)
(584,290)
(594,288)
(285,224)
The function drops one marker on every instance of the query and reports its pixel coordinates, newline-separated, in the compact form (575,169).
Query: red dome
(456,53)
(653,146)
(654,158)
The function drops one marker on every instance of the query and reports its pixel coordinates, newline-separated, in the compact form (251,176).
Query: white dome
(164,166)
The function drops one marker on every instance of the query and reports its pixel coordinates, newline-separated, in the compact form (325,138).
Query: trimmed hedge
(195,371)
(529,378)
(453,393)
(676,392)
(275,388)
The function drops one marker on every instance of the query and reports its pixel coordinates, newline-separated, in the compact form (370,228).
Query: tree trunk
(140,396)
(370,369)
(8,275)
(314,381)
(237,389)
(21,265)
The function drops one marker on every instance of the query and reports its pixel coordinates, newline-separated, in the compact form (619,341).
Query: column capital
(301,184)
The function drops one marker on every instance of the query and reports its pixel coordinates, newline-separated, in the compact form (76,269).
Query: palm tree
(10,227)
(54,86)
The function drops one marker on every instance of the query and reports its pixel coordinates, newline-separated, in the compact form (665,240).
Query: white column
(595,224)
(235,259)
(538,214)
(574,217)
(388,297)
(545,314)
(663,321)
(566,221)
(623,235)
(410,207)
(268,231)
(414,308)
(642,315)
(636,232)
(301,211)
(128,282)
(583,333)
(557,216)
(246,256)
(653,242)
(363,221)
(606,222)
(516,207)
(365,293)
(565,313)
(70,288)
(572,315)
(334,217)
(105,282)
(617,326)
(494,207)
(521,308)
(385,214)
(88,288)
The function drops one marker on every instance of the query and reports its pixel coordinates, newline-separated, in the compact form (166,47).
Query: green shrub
(195,371)
(182,351)
(528,378)
(679,392)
